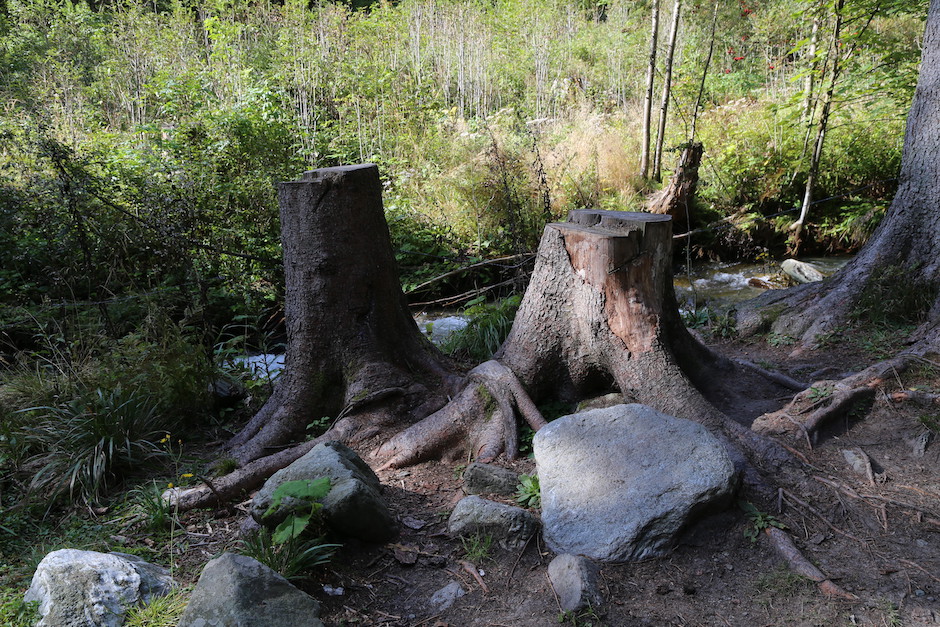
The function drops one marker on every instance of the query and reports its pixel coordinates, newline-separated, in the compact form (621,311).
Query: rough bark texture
(908,237)
(599,315)
(352,344)
(674,199)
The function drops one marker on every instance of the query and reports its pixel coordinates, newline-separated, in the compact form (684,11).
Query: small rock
(801,272)
(90,589)
(444,598)
(413,523)
(574,579)
(353,508)
(488,479)
(237,590)
(510,526)
(337,591)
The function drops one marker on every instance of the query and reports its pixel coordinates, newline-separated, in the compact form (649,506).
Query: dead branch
(473,266)
(783,544)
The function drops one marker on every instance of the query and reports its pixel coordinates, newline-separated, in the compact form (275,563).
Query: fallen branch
(472,570)
(473,266)
(776,377)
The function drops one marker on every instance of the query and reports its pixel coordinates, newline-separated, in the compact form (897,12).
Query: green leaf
(310,490)
(291,528)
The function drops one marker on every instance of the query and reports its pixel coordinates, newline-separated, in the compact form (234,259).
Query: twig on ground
(470,568)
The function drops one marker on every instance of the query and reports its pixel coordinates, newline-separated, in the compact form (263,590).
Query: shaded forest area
(140,145)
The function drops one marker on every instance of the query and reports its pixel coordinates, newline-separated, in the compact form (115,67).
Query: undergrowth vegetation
(141,143)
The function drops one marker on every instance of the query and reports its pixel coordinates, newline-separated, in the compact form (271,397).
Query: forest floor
(877,540)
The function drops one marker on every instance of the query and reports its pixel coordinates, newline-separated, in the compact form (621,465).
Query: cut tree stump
(352,344)
(599,315)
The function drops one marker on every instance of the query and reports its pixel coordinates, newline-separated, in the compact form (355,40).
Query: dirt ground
(878,540)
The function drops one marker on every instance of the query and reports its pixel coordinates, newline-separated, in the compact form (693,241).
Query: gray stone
(601,402)
(488,479)
(574,579)
(353,507)
(618,484)
(86,588)
(801,272)
(510,526)
(238,591)
(444,598)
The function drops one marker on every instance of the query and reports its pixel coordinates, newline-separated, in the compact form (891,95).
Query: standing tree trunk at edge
(648,99)
(903,253)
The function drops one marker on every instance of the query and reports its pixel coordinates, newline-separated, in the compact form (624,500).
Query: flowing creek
(718,285)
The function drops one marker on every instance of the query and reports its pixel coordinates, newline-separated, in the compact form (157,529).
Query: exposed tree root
(839,400)
(480,421)
(783,544)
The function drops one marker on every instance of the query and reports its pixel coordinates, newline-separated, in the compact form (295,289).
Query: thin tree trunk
(834,53)
(708,61)
(648,101)
(809,82)
(667,86)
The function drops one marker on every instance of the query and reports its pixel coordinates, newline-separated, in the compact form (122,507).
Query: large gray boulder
(89,589)
(618,484)
(353,508)
(238,591)
(510,526)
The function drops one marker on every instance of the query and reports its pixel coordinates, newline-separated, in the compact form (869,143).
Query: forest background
(141,142)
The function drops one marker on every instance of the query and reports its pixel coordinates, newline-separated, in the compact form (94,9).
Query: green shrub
(486,330)
(14,612)
(86,443)
(529,493)
(293,559)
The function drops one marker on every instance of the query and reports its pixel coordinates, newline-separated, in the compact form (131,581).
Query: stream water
(719,285)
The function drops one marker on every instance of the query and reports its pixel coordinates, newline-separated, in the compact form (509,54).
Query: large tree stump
(352,344)
(599,314)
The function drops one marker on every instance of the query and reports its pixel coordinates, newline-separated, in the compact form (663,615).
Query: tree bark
(352,344)
(648,100)
(674,199)
(908,237)
(667,87)
(599,315)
